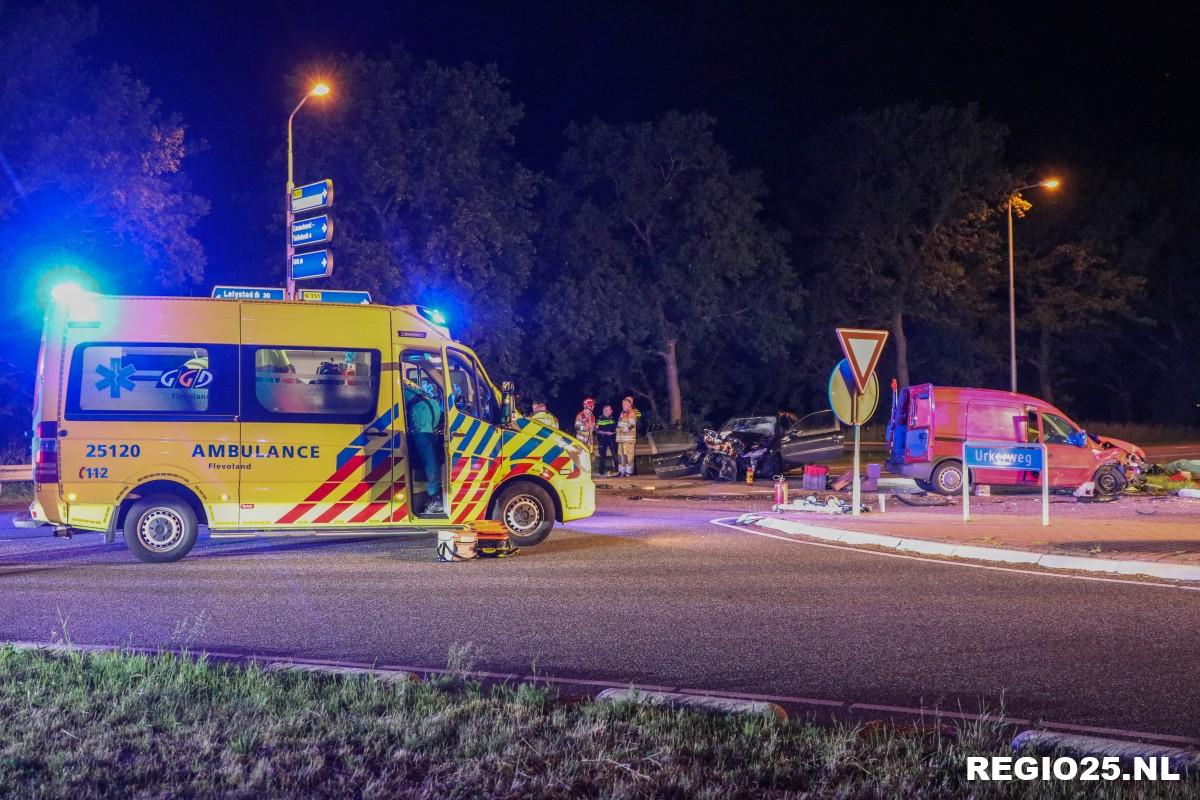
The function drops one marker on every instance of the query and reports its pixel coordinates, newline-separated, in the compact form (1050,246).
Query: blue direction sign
(317,264)
(314,230)
(335,296)
(1025,458)
(246,293)
(312,197)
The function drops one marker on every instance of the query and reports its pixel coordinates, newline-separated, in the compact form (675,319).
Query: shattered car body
(767,445)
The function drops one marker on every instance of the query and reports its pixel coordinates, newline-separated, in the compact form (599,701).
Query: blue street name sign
(246,293)
(1002,455)
(314,230)
(317,264)
(998,456)
(312,196)
(335,296)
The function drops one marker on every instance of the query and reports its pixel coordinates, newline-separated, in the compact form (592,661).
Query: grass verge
(85,725)
(16,492)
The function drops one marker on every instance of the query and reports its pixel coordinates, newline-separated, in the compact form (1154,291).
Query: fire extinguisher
(781,490)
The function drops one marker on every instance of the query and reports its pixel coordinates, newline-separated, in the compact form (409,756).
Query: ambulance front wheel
(160,528)
(527,511)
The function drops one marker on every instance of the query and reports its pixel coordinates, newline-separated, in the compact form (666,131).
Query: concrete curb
(692,702)
(385,675)
(1050,742)
(1157,569)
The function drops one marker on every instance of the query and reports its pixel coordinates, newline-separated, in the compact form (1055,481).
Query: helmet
(589,402)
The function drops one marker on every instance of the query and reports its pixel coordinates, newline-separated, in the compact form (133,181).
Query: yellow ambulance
(156,415)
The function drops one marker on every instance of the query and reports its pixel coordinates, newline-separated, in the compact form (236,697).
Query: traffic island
(91,724)
(1157,537)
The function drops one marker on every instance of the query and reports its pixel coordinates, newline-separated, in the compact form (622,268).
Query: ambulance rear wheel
(527,511)
(160,529)
(948,477)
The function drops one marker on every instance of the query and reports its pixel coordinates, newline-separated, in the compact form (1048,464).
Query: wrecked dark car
(768,445)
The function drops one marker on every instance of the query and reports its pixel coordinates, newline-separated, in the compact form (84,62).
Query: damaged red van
(929,424)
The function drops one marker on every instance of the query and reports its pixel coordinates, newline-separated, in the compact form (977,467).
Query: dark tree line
(647,261)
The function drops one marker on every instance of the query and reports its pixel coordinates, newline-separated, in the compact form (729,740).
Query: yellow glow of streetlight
(1052,183)
(320,90)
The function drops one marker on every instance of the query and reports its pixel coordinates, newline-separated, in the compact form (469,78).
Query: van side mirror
(1078,438)
(508,410)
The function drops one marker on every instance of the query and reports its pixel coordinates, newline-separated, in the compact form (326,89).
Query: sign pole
(856,495)
(966,487)
(290,290)
(1045,486)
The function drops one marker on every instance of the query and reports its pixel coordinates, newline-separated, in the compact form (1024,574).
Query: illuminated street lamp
(1049,183)
(318,90)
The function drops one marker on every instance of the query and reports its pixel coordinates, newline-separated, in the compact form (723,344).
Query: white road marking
(946,562)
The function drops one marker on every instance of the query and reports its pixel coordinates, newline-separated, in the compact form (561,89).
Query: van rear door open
(919,428)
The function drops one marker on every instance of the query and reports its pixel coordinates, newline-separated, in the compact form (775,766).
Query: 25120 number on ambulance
(155,415)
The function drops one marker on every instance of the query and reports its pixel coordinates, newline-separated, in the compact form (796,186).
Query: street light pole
(319,90)
(1012,301)
(1050,183)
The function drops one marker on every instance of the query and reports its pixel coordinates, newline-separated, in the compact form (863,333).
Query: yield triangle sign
(862,349)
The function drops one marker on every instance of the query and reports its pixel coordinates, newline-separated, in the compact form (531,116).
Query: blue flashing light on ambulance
(156,415)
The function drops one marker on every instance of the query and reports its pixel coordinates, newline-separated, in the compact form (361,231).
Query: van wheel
(1110,480)
(160,528)
(947,478)
(527,511)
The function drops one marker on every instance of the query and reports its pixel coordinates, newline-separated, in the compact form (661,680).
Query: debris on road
(832,505)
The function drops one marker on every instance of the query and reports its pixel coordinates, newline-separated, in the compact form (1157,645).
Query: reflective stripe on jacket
(627,426)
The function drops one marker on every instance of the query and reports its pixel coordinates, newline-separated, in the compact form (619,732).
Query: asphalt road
(648,592)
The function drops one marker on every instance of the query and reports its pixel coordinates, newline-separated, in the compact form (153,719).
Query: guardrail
(15,472)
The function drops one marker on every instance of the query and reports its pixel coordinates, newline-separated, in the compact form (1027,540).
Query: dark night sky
(1073,84)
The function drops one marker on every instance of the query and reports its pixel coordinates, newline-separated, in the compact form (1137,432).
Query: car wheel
(1110,480)
(770,466)
(924,486)
(947,478)
(727,470)
(160,529)
(527,511)
(710,468)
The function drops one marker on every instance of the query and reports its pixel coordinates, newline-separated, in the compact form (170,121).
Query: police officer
(606,441)
(585,422)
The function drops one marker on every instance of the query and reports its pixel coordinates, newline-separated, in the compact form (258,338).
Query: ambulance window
(463,393)
(489,406)
(113,380)
(423,369)
(314,385)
